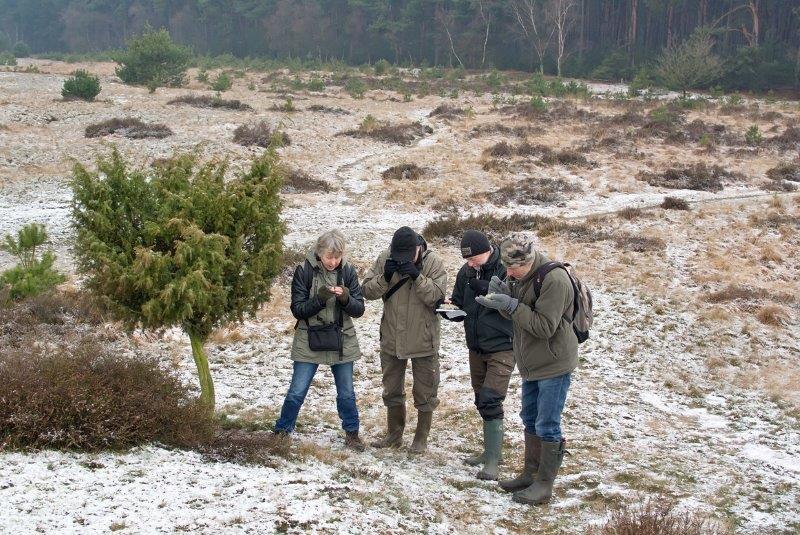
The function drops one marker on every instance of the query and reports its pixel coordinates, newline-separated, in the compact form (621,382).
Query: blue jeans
(302,375)
(542,403)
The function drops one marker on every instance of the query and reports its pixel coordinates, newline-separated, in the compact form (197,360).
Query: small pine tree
(178,245)
(82,85)
(753,136)
(222,82)
(691,64)
(356,87)
(153,59)
(32,275)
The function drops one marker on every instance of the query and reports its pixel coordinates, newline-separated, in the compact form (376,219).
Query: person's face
(416,254)
(331,260)
(478,260)
(518,271)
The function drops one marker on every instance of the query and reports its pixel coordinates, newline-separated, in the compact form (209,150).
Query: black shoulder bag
(328,337)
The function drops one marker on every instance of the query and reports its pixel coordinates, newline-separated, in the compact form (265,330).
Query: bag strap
(394,289)
(546,268)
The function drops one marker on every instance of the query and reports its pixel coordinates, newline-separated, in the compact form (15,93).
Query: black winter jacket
(486,330)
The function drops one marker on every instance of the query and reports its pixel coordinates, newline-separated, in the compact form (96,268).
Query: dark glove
(345,297)
(389,269)
(501,302)
(480,287)
(408,268)
(324,293)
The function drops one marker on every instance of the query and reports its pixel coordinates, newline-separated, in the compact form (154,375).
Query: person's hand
(390,268)
(501,302)
(324,293)
(342,293)
(480,287)
(496,286)
(408,268)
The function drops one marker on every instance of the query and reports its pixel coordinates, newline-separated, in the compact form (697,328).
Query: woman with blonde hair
(326,295)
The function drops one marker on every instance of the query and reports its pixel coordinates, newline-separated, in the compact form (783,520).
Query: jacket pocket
(550,347)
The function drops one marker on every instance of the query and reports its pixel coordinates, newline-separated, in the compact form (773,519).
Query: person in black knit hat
(489,339)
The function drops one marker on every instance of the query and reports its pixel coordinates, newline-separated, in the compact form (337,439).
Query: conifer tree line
(604,38)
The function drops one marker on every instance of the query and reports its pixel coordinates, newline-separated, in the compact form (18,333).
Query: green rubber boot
(533,450)
(493,444)
(541,491)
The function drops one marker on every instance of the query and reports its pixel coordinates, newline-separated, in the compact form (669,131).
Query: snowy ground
(675,395)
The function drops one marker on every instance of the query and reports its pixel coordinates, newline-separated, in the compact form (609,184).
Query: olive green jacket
(545,345)
(409,326)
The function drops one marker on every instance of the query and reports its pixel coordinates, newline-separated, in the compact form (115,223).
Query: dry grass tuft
(734,292)
(406,171)
(451,227)
(534,191)
(698,177)
(319,108)
(772,315)
(655,516)
(630,213)
(247,447)
(785,171)
(205,101)
(499,128)
(788,140)
(674,203)
(298,181)
(260,134)
(129,127)
(445,111)
(402,134)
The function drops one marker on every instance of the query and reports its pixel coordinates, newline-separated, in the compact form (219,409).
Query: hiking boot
(533,450)
(420,444)
(353,441)
(542,489)
(493,444)
(395,423)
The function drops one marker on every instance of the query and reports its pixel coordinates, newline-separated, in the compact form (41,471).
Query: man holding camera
(411,280)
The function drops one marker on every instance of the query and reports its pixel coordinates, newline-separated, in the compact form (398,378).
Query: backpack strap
(308,274)
(541,273)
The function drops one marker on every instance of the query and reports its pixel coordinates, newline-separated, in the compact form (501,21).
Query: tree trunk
(207,397)
(632,33)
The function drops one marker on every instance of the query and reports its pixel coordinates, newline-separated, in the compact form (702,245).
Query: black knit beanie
(474,243)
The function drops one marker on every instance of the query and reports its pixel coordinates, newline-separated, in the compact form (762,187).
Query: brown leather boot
(420,444)
(533,450)
(395,424)
(353,441)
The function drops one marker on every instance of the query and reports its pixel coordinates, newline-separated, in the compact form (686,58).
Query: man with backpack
(540,299)
(488,336)
(411,280)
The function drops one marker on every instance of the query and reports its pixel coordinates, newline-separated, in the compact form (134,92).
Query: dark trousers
(425,373)
(490,374)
